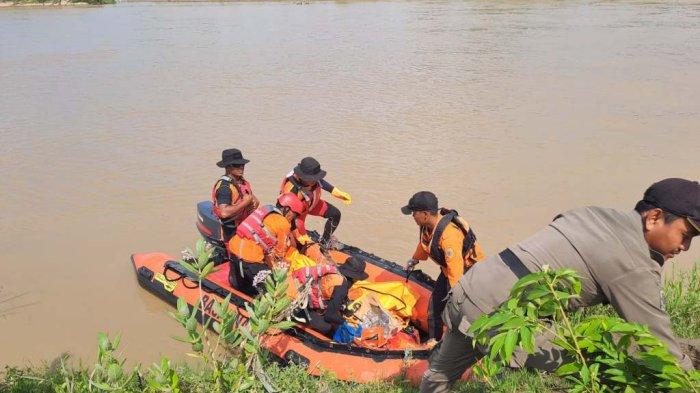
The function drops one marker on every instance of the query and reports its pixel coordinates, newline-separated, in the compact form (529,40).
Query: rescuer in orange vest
(261,239)
(232,196)
(448,240)
(306,181)
(330,286)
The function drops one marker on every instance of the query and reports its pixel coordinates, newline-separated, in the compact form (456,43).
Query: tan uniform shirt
(608,250)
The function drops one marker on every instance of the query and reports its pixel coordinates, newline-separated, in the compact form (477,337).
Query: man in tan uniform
(619,256)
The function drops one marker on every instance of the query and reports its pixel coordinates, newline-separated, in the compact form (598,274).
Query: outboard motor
(209,227)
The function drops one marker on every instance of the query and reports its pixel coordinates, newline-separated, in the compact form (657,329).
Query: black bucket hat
(231,157)
(420,202)
(309,170)
(354,268)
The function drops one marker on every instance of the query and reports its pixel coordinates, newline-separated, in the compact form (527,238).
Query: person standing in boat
(232,196)
(264,237)
(306,181)
(449,241)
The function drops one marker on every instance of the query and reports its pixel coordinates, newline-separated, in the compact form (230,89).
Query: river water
(112,120)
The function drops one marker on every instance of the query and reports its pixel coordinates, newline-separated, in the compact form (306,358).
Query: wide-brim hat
(354,268)
(309,170)
(231,157)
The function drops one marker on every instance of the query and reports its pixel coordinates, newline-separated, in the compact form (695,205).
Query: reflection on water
(112,120)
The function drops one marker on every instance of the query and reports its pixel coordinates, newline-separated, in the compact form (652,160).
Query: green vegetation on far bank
(682,296)
(61,2)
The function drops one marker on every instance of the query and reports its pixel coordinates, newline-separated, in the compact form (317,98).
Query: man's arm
(451,245)
(420,253)
(636,296)
(224,200)
(326,185)
(335,304)
(281,228)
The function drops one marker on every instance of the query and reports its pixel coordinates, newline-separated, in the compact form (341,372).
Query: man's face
(237,170)
(420,217)
(309,184)
(668,239)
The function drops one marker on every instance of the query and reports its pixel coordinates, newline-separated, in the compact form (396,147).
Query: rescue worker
(261,239)
(306,181)
(618,254)
(329,293)
(448,240)
(232,196)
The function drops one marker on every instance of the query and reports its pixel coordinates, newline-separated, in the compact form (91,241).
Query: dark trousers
(241,274)
(332,216)
(227,231)
(437,304)
(319,323)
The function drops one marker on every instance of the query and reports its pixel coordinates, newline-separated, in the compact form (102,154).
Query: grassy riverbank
(682,297)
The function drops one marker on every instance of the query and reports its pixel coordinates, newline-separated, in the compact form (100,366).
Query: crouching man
(618,254)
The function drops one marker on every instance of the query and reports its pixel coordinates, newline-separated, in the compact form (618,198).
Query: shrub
(608,353)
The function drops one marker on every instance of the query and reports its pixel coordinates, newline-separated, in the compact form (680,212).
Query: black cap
(309,170)
(680,197)
(231,157)
(421,201)
(354,268)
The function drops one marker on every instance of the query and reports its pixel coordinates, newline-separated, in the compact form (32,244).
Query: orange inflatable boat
(165,277)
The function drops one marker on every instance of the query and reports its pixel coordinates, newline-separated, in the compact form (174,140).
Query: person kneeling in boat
(448,240)
(306,181)
(261,239)
(330,286)
(232,196)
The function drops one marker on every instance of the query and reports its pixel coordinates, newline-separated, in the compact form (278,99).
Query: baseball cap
(421,201)
(677,196)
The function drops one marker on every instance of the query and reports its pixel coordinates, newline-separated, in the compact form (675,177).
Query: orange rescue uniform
(451,243)
(250,251)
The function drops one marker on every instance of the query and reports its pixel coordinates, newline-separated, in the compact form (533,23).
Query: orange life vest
(238,189)
(449,216)
(323,280)
(252,228)
(309,198)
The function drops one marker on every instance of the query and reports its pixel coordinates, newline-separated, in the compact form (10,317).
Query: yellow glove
(304,240)
(341,195)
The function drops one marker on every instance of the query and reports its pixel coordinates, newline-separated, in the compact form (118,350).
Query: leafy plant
(606,352)
(108,374)
(162,378)
(235,357)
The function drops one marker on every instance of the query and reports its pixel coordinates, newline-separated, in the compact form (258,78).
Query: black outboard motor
(209,227)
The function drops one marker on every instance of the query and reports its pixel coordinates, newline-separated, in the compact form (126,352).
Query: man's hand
(411,263)
(304,240)
(255,202)
(247,199)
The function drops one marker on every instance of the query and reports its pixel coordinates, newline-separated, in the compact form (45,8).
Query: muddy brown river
(112,119)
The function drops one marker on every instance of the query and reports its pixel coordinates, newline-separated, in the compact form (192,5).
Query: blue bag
(346,333)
